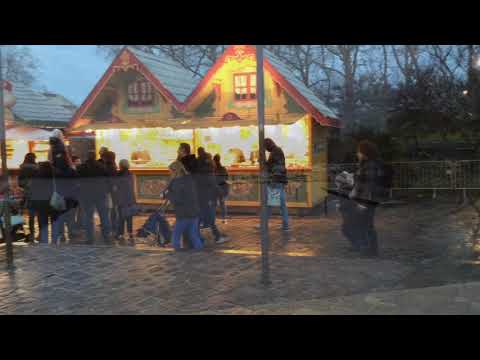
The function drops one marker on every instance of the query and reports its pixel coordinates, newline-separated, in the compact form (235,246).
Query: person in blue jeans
(277,172)
(182,194)
(93,196)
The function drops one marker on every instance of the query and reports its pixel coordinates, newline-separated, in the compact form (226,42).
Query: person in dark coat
(125,200)
(93,196)
(223,187)
(366,187)
(277,177)
(108,160)
(207,193)
(41,193)
(27,172)
(66,186)
(188,160)
(190,163)
(183,195)
(76,221)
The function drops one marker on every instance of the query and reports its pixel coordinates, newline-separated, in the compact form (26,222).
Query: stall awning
(192,123)
(27,134)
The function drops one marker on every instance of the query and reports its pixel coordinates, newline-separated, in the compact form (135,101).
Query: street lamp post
(263,172)
(5,183)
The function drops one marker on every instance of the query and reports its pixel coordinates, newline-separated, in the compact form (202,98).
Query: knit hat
(57,134)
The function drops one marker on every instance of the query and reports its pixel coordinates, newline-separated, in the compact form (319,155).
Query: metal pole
(5,183)
(263,172)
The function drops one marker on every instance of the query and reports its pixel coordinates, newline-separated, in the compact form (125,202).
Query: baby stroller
(157,226)
(17,232)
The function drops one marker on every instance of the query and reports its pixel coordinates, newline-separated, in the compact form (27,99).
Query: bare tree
(19,64)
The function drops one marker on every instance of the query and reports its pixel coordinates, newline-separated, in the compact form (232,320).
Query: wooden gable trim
(284,83)
(94,93)
(208,76)
(119,63)
(299,98)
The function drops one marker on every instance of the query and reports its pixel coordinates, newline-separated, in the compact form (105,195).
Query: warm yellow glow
(231,251)
(238,145)
(41,150)
(16,150)
(144,148)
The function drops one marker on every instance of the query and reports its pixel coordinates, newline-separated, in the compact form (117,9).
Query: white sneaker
(222,240)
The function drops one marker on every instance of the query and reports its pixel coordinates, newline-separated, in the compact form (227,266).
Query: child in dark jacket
(125,200)
(182,194)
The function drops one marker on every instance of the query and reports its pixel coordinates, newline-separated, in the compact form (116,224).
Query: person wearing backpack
(370,186)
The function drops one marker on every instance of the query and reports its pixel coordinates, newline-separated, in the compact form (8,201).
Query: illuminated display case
(153,148)
(238,146)
(156,148)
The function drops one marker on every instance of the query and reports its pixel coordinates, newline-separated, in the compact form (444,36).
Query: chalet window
(245,86)
(140,93)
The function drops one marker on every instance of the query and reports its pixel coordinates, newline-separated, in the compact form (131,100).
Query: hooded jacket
(182,193)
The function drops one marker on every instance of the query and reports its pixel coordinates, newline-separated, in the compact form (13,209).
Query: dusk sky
(70,70)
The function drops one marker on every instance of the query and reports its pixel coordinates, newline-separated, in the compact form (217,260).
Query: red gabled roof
(118,62)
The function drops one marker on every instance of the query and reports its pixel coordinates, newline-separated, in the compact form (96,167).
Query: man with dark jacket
(207,193)
(40,195)
(277,177)
(367,189)
(66,183)
(203,175)
(93,194)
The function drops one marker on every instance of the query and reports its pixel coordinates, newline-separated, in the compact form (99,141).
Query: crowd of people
(63,194)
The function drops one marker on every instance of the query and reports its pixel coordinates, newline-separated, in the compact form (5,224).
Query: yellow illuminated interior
(17,149)
(40,149)
(144,148)
(238,146)
(155,148)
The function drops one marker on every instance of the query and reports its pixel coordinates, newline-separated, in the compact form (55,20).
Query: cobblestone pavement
(453,299)
(311,262)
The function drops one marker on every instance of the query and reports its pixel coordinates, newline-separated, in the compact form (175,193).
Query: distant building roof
(178,80)
(41,109)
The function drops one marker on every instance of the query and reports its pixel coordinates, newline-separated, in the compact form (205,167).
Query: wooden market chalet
(29,118)
(145,105)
